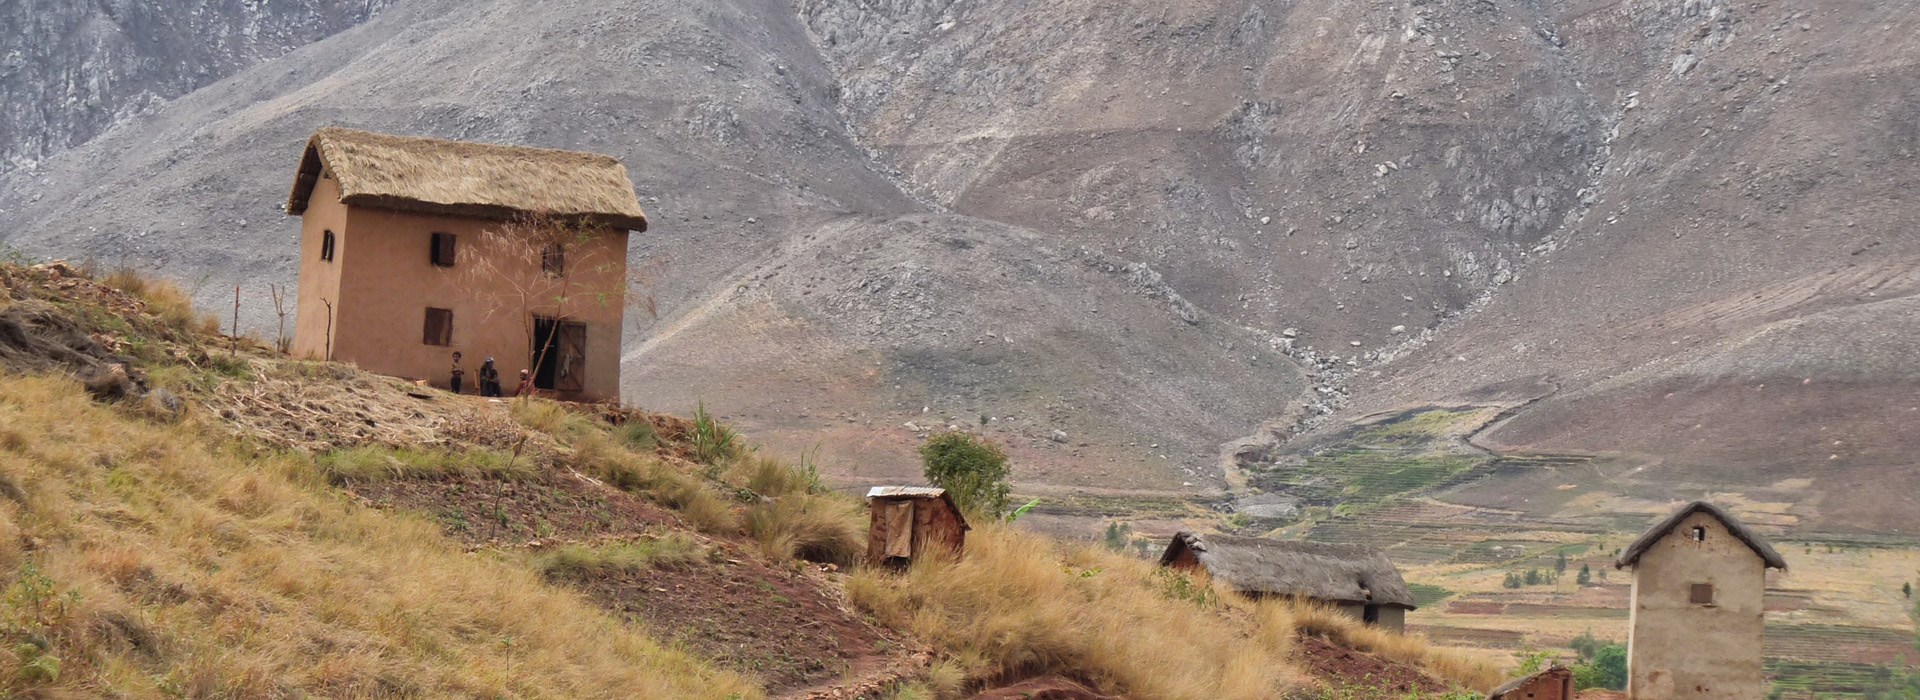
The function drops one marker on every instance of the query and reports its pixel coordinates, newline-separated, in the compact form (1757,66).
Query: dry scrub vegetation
(1019,604)
(154,559)
(146,555)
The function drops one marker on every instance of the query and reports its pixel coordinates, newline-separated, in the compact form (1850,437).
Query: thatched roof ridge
(1328,572)
(1752,539)
(460,178)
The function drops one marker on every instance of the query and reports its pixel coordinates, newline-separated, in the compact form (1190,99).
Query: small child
(458,374)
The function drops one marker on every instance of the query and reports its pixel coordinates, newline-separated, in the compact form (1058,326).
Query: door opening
(560,351)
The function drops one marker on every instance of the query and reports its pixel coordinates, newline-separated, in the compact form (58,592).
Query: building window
(326,246)
(1370,614)
(553,260)
(1702,594)
(443,249)
(1699,534)
(439,328)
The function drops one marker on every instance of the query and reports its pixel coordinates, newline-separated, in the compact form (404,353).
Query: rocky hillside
(70,70)
(1135,240)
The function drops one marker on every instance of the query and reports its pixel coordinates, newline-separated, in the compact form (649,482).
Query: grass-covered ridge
(280,528)
(154,559)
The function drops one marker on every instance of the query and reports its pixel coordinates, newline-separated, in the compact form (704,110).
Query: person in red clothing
(526,387)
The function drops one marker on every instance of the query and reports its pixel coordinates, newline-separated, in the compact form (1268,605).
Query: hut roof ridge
(1752,539)
(1323,571)
(462,178)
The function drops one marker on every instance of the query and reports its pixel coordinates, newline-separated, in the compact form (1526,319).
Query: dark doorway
(560,354)
(1370,615)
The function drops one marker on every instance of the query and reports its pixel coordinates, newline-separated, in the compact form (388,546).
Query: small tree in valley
(1585,576)
(972,469)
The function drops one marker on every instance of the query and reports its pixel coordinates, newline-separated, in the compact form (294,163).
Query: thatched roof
(1752,539)
(1327,572)
(459,178)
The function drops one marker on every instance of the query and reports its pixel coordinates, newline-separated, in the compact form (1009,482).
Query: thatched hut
(908,521)
(414,248)
(1554,683)
(1359,581)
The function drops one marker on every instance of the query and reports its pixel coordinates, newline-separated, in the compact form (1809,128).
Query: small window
(326,246)
(553,260)
(1370,615)
(1699,534)
(1702,594)
(439,328)
(443,249)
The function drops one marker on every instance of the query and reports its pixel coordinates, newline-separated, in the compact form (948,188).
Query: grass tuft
(379,463)
(578,560)
(821,529)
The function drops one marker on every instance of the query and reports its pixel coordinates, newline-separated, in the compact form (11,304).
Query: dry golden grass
(164,560)
(1019,603)
(165,300)
(1458,669)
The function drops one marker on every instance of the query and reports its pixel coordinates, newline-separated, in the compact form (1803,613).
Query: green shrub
(1608,669)
(375,463)
(972,469)
(712,442)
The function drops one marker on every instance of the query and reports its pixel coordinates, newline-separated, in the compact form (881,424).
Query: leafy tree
(1117,536)
(1511,581)
(1586,645)
(1533,577)
(1608,669)
(1906,589)
(971,468)
(1560,567)
(1585,576)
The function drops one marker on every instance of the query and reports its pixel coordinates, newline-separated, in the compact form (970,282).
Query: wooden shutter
(1702,594)
(442,249)
(439,327)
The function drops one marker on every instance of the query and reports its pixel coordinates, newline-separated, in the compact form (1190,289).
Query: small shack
(1555,683)
(1359,581)
(908,521)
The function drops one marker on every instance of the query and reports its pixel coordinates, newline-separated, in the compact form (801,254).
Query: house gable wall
(1680,649)
(319,279)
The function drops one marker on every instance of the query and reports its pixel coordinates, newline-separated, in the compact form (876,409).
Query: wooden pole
(328,356)
(235,337)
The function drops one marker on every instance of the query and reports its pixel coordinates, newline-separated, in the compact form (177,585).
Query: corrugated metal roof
(910,491)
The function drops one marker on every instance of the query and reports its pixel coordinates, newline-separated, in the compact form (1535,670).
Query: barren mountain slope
(1103,218)
(70,69)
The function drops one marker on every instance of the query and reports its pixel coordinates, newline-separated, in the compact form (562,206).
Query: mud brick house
(909,521)
(412,248)
(1359,581)
(1699,577)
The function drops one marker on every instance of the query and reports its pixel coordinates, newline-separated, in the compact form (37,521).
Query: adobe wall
(319,279)
(1677,649)
(390,281)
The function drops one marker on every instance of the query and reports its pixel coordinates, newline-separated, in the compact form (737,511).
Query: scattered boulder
(1059,436)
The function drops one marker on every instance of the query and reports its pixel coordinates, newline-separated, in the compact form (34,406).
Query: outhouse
(908,521)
